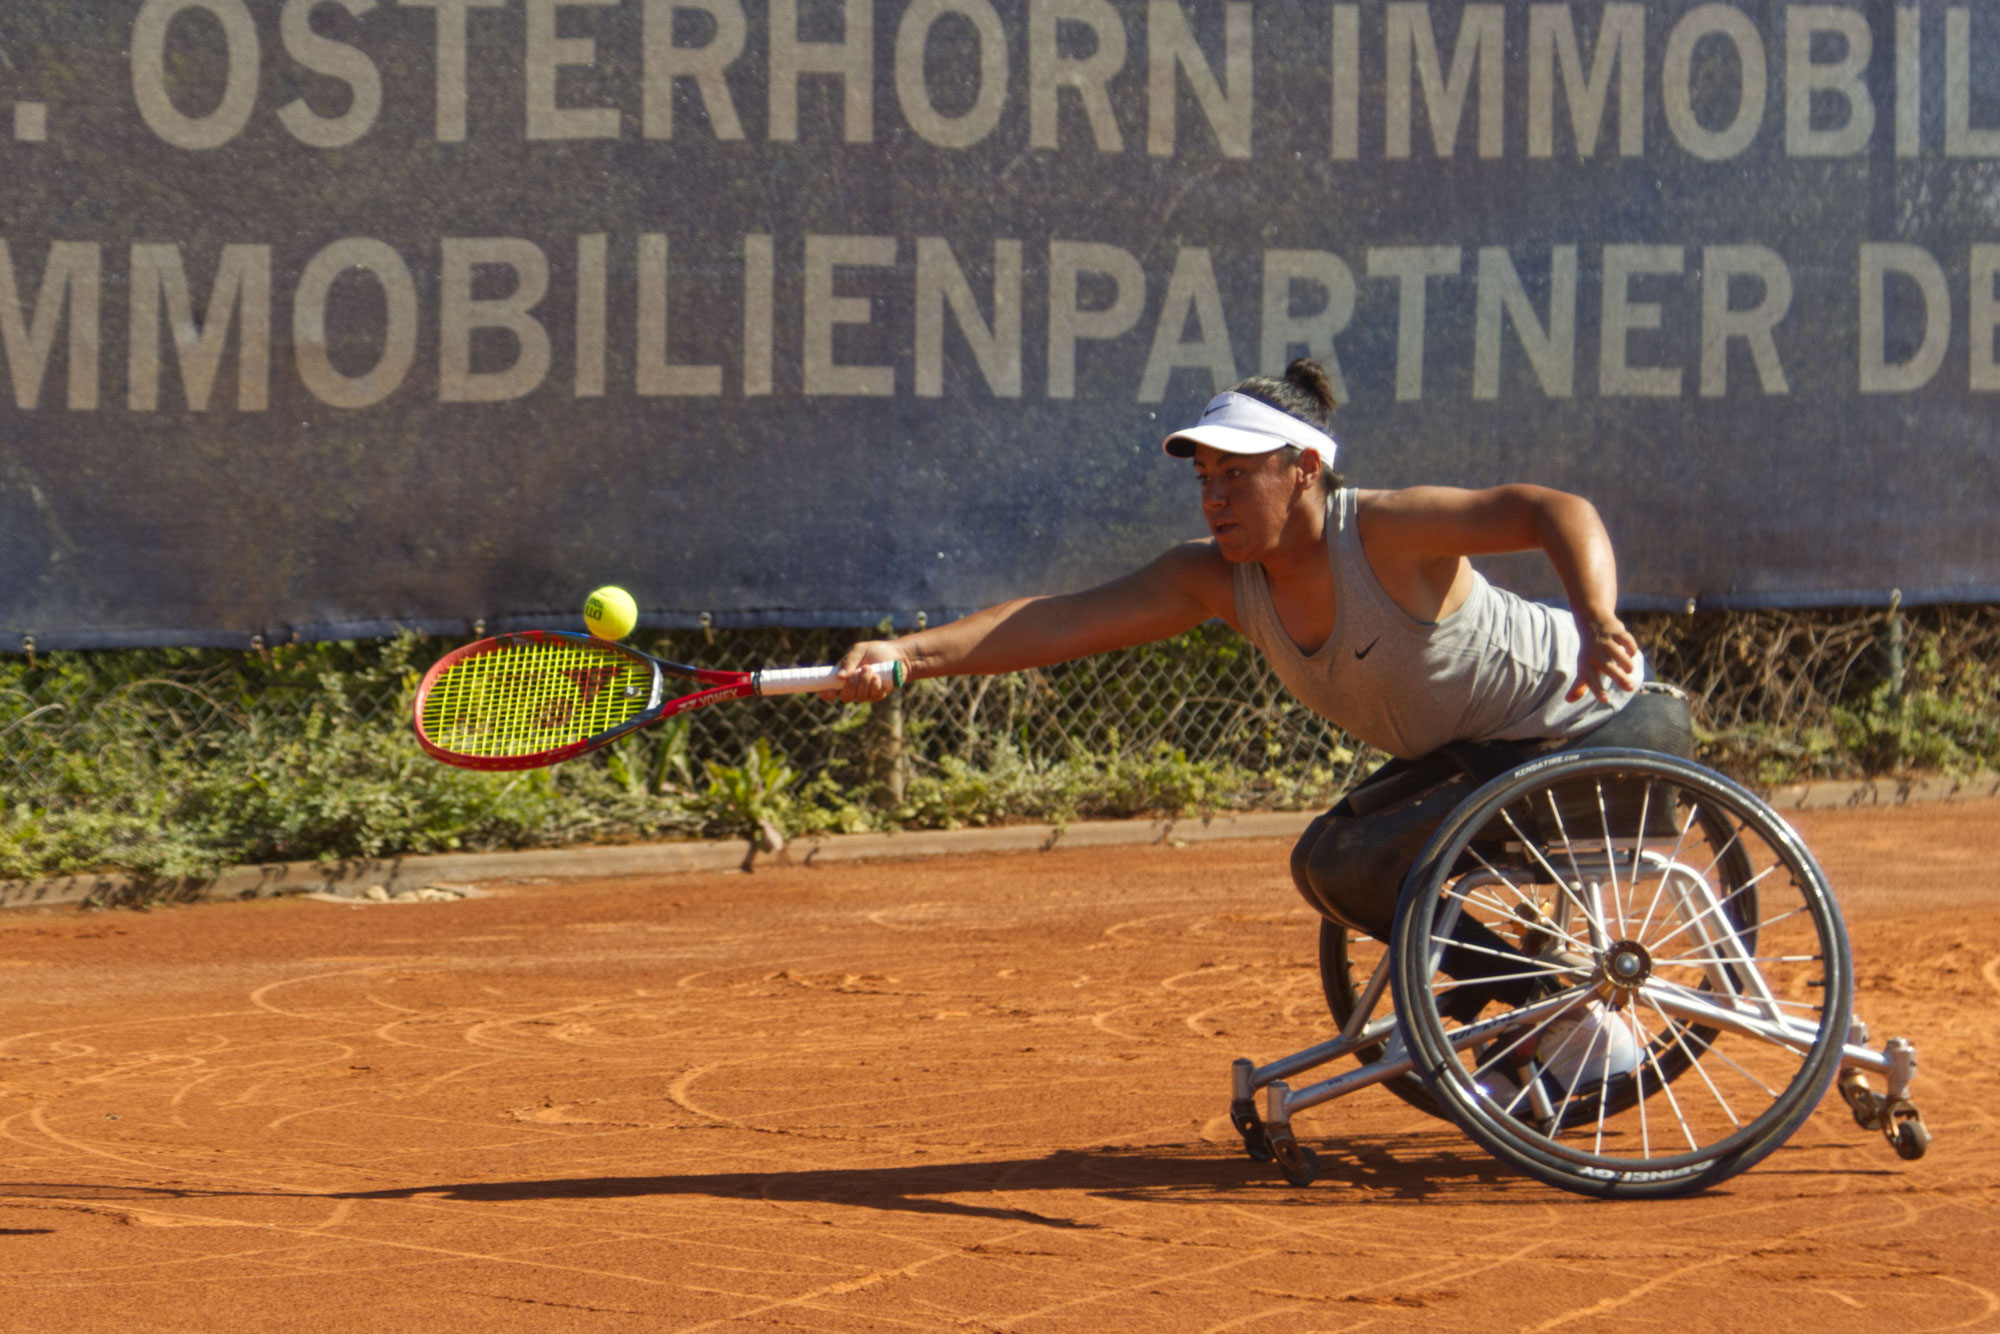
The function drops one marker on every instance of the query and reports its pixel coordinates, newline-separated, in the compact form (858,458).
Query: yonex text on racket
(538,697)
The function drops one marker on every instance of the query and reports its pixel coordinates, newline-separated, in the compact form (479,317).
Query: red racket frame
(722,686)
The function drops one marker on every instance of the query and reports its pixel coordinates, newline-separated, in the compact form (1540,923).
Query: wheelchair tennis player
(1366,606)
(1687,932)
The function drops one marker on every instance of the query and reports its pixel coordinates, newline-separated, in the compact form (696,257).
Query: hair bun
(1310,376)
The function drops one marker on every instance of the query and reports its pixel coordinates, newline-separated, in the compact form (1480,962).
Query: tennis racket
(538,697)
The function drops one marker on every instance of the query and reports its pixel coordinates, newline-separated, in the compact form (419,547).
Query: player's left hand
(1608,650)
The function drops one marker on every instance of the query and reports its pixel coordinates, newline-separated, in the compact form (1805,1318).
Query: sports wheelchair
(1617,970)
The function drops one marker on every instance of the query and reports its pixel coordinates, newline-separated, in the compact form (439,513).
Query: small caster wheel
(1299,1164)
(1911,1138)
(1243,1115)
(1869,1107)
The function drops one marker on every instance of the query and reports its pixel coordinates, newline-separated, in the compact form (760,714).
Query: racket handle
(804,680)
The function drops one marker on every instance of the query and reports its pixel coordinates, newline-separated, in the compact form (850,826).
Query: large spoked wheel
(1622,973)
(1348,959)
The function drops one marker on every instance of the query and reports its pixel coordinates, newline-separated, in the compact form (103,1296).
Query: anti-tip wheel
(1243,1115)
(1299,1163)
(1911,1139)
(1869,1107)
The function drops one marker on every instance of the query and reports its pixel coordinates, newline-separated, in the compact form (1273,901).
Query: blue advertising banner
(324,317)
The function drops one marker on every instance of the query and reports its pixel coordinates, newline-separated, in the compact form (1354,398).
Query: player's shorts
(1350,862)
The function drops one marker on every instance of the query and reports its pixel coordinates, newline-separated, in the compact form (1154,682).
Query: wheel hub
(1627,965)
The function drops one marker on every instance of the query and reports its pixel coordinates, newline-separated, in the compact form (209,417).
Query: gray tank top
(1496,669)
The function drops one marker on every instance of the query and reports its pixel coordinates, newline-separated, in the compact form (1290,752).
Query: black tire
(1625,936)
(1299,1164)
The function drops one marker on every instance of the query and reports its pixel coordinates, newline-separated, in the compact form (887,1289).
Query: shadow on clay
(1379,1171)
(1199,1173)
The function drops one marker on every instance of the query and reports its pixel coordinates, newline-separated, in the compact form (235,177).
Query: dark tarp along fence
(325,317)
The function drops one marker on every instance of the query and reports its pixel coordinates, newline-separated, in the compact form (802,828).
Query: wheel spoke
(1697,959)
(1529,901)
(1511,956)
(1538,923)
(1603,1109)
(1647,1054)
(1512,1104)
(1569,849)
(1761,925)
(1569,1089)
(1526,898)
(1709,998)
(1694,1062)
(1570,891)
(1645,1130)
(1638,844)
(1478,899)
(1723,1056)
(1525,1034)
(1610,855)
(1501,875)
(1674,859)
(1439,988)
(1727,1060)
(1735,836)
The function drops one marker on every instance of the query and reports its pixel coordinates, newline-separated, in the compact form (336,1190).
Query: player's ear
(1308,466)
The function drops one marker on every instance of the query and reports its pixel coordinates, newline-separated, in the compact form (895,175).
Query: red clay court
(982,1093)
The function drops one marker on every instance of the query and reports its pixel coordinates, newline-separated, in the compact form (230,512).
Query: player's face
(1245,498)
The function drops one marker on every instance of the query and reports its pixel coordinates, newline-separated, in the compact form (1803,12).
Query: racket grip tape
(804,680)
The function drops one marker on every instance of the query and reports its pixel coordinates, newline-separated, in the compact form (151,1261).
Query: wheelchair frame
(1501,855)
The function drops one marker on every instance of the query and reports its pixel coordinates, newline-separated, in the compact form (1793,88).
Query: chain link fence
(174,760)
(1201,696)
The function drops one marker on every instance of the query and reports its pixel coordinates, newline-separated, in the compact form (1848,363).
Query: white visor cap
(1239,424)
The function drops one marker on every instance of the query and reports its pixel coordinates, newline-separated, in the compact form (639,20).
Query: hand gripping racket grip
(803,680)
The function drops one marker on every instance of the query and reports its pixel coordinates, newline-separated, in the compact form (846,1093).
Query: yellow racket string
(526,698)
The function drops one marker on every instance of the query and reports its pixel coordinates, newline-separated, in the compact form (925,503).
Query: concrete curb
(352,878)
(1882,792)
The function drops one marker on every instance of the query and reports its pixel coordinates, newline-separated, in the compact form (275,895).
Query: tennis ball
(610,612)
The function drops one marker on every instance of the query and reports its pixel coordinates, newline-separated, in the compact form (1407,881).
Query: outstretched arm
(1441,523)
(1176,592)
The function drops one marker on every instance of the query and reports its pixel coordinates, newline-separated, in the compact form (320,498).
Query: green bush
(231,775)
(175,762)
